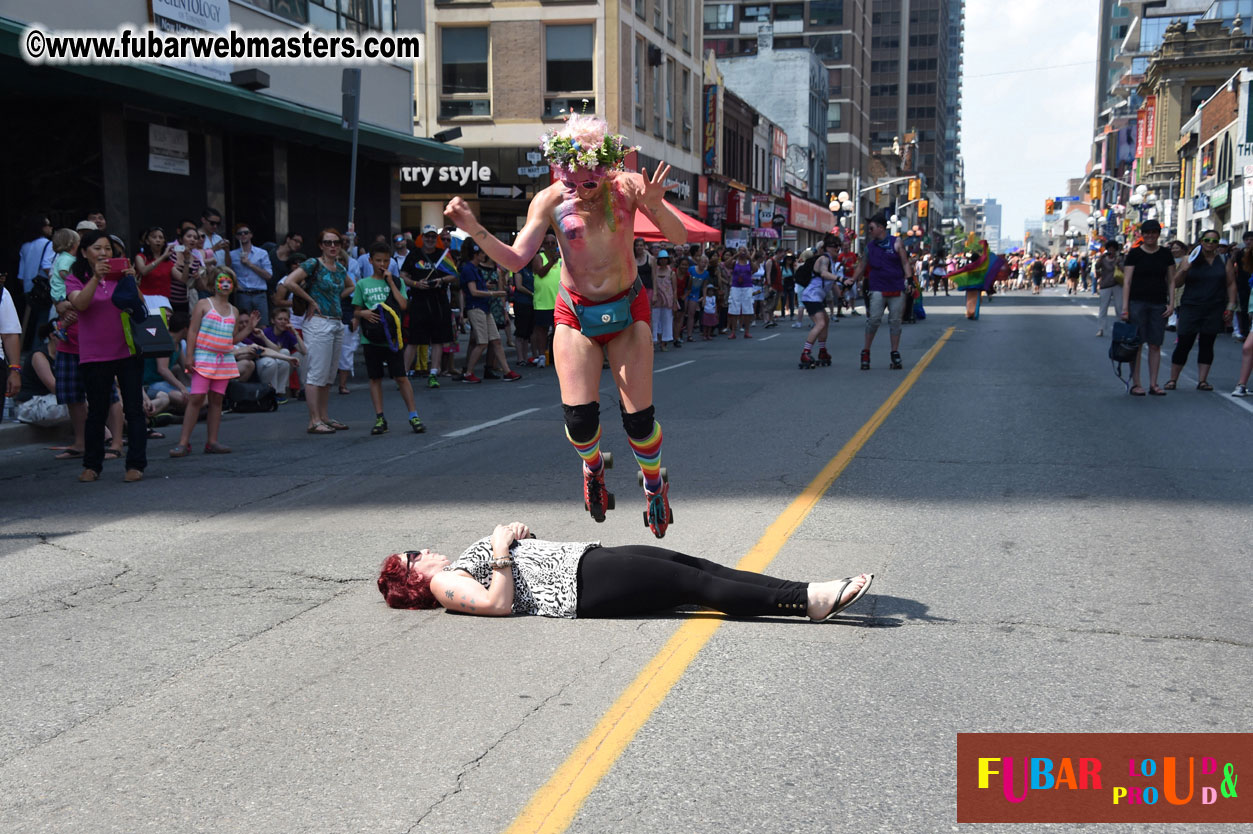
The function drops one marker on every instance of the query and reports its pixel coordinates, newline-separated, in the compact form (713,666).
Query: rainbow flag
(445,263)
(980,273)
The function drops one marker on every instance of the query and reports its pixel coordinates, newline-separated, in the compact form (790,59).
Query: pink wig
(402,587)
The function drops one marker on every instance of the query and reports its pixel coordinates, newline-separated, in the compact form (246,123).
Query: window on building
(789,11)
(657,21)
(791,42)
(826,12)
(670,19)
(655,72)
(721,46)
(640,11)
(328,15)
(686,103)
(685,25)
(760,14)
(921,40)
(568,68)
(463,77)
(1198,97)
(670,100)
(639,82)
(719,17)
(835,115)
(835,82)
(886,42)
(828,47)
(892,66)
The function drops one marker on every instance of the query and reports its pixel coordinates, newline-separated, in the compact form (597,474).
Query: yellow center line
(553,807)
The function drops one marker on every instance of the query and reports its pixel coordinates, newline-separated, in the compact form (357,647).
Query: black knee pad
(582,421)
(638,424)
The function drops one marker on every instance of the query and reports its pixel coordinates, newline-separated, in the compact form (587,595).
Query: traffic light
(1048,206)
(915,188)
(922,208)
(1094,189)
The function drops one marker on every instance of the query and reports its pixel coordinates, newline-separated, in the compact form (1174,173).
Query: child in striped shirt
(215,328)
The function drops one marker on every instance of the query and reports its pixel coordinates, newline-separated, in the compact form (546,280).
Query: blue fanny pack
(605,318)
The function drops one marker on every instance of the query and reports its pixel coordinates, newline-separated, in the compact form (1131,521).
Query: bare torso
(596,235)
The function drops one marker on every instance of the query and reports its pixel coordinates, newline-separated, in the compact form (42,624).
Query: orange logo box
(1104,777)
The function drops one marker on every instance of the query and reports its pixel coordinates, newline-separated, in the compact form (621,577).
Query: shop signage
(1220,195)
(778,142)
(1140,133)
(167,150)
(709,145)
(194,17)
(506,192)
(1200,203)
(807,215)
(447,177)
(702,196)
(681,189)
(764,209)
(1150,121)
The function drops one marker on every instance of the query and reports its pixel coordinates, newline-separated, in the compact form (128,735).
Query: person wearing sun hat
(590,207)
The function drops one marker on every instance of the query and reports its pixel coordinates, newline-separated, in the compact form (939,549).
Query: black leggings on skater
(1204,352)
(638,579)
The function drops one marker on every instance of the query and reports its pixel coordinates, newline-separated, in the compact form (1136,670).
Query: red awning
(697,232)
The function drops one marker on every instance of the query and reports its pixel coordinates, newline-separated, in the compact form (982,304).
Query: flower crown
(584,142)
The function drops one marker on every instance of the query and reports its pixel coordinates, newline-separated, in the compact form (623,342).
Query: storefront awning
(697,232)
(151,85)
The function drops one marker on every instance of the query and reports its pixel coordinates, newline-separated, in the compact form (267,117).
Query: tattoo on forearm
(450,594)
(481,233)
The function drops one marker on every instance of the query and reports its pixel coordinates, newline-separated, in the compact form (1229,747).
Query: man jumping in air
(591,209)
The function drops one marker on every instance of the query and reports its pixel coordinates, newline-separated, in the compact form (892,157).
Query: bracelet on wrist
(15,367)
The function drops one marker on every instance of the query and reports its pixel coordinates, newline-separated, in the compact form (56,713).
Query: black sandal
(1204,386)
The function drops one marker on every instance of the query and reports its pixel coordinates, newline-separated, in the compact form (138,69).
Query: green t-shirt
(546,287)
(371,292)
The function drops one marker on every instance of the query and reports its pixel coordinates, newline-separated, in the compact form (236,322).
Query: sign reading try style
(445,179)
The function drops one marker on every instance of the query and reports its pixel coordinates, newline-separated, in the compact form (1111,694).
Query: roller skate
(658,516)
(865,360)
(807,361)
(824,358)
(896,361)
(596,499)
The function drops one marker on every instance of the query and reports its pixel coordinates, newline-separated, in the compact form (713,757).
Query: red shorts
(640,311)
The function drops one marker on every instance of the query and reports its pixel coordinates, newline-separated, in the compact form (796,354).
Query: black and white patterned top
(545,574)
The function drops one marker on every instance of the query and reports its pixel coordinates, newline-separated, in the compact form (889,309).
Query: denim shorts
(1150,321)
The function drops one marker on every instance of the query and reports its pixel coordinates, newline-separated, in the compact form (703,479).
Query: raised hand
(458,211)
(655,187)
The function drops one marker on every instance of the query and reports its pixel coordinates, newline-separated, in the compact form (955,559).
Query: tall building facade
(504,73)
(838,31)
(953,184)
(913,52)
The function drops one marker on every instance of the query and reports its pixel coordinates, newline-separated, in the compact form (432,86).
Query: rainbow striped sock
(589,450)
(648,455)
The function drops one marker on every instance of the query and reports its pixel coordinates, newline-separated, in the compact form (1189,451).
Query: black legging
(1204,353)
(638,579)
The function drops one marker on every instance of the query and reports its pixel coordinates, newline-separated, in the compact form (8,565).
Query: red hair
(402,587)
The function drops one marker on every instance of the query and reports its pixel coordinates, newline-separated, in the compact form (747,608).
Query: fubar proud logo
(1103,777)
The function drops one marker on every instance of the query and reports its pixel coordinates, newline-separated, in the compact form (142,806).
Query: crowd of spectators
(293,322)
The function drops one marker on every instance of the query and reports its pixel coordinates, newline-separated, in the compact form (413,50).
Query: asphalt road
(206,651)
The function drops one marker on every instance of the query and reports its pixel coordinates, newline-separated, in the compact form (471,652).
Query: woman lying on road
(510,572)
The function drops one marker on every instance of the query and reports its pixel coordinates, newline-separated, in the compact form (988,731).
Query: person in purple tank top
(887,269)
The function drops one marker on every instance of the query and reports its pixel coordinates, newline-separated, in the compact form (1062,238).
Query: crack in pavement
(473,764)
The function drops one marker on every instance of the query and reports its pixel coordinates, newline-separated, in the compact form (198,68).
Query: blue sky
(1026,130)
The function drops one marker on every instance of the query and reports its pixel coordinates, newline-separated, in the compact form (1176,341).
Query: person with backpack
(826,272)
(378,296)
(1148,300)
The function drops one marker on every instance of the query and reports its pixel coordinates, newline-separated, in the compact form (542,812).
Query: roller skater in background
(827,271)
(591,209)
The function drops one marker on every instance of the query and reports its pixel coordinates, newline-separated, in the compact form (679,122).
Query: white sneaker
(1238,336)
(1241,391)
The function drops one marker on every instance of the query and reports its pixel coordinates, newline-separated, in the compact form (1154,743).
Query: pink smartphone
(118,265)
